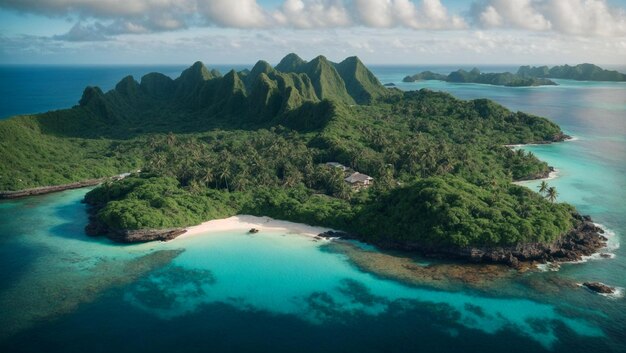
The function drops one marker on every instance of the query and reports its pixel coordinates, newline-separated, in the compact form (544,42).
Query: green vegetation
(450,211)
(255,142)
(581,72)
(475,76)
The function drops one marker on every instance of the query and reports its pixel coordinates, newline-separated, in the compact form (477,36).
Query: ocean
(61,291)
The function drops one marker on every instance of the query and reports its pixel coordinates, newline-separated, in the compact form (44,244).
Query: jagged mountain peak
(261,66)
(90,94)
(196,72)
(352,60)
(290,63)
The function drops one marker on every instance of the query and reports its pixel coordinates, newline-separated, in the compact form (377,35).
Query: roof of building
(358,177)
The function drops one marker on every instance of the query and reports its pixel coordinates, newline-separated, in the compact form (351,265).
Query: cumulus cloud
(583,17)
(428,14)
(572,17)
(142,16)
(83,33)
(105,18)
(312,14)
(234,13)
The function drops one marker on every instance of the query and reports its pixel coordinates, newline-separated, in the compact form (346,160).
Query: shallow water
(63,291)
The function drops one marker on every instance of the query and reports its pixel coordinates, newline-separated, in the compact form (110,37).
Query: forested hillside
(257,142)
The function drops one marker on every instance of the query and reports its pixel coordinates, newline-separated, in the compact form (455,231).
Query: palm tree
(551,194)
(543,187)
(207,176)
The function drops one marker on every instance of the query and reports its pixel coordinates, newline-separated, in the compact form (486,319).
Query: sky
(378,31)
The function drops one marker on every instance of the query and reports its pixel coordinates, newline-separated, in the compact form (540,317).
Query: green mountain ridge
(475,76)
(580,72)
(263,94)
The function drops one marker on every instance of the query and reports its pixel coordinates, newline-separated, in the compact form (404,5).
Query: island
(313,142)
(581,72)
(475,76)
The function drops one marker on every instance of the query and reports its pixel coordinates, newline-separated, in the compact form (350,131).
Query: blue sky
(378,31)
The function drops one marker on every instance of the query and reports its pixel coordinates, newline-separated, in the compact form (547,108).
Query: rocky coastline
(49,189)
(97,228)
(584,240)
(42,190)
(538,176)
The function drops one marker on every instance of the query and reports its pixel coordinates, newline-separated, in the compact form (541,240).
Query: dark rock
(338,234)
(599,287)
(389,84)
(583,240)
(144,235)
(253,231)
(605,255)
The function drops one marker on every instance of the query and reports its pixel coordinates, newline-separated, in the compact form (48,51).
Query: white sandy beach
(247,222)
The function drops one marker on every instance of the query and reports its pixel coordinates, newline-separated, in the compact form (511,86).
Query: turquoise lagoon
(61,291)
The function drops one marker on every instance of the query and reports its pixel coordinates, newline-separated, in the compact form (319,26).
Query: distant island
(581,72)
(475,76)
(313,142)
(526,76)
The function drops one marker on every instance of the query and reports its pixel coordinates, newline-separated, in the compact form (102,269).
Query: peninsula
(313,142)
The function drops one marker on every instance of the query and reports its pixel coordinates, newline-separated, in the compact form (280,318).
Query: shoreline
(43,190)
(553,174)
(248,222)
(605,253)
(566,138)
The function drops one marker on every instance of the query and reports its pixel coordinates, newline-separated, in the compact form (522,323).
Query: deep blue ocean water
(61,291)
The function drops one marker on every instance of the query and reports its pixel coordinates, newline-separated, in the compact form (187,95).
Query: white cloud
(83,33)
(584,17)
(235,13)
(312,14)
(490,17)
(572,17)
(516,14)
(105,18)
(428,14)
(398,46)
(374,13)
(167,15)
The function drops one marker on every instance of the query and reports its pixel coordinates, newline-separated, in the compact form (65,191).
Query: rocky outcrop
(585,239)
(598,287)
(97,228)
(144,235)
(538,176)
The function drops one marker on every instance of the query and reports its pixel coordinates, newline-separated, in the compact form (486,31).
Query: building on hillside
(359,181)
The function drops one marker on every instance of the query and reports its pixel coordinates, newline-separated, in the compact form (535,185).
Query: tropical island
(580,72)
(526,76)
(475,76)
(315,142)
